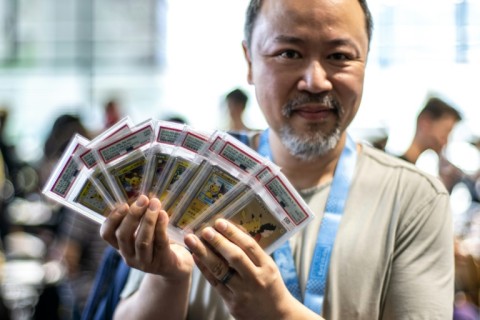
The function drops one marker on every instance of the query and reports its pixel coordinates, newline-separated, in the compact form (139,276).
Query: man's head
(236,100)
(435,122)
(307,60)
(112,113)
(255,6)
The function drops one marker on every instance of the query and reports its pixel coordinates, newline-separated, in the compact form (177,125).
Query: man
(236,101)
(392,255)
(435,122)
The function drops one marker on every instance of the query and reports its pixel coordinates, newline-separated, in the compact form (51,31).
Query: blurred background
(83,64)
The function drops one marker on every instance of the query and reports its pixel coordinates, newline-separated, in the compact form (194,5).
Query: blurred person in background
(7,150)
(4,312)
(467,249)
(11,167)
(112,112)
(467,283)
(434,124)
(236,102)
(78,244)
(178,118)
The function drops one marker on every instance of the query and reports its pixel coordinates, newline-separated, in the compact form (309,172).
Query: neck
(305,174)
(237,125)
(413,152)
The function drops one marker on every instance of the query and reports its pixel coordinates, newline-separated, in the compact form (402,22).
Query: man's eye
(290,54)
(338,56)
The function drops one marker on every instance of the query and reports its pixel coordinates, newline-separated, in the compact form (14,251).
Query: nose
(315,78)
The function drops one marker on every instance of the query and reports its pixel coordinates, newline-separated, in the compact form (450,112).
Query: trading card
(178,189)
(182,159)
(66,172)
(160,161)
(64,181)
(256,219)
(287,197)
(168,136)
(179,166)
(129,176)
(221,206)
(123,162)
(209,189)
(92,199)
(69,183)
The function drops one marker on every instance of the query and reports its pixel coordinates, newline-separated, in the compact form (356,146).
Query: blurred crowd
(60,250)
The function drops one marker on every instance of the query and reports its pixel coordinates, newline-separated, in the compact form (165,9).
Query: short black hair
(237,95)
(255,6)
(436,108)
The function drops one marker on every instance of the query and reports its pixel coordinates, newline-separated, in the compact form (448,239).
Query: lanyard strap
(315,289)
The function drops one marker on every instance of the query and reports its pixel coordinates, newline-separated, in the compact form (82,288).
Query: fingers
(232,248)
(214,264)
(109,227)
(241,239)
(126,231)
(147,240)
(214,282)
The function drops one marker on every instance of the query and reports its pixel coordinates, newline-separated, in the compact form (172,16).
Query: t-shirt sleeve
(421,285)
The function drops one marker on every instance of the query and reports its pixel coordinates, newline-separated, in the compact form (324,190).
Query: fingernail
(221,225)
(153,205)
(141,201)
(191,241)
(123,209)
(208,233)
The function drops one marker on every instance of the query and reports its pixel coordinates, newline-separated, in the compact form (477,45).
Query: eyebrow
(288,39)
(335,42)
(293,39)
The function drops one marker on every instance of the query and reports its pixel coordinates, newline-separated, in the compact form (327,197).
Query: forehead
(316,19)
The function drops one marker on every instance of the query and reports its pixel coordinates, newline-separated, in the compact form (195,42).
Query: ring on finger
(228,276)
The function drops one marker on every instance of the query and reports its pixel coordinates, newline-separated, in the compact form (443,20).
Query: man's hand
(139,232)
(245,276)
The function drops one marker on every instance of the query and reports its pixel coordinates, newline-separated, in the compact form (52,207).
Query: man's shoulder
(386,165)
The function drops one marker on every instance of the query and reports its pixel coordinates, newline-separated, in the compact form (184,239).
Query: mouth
(313,112)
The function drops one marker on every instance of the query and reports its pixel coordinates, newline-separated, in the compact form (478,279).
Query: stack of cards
(198,176)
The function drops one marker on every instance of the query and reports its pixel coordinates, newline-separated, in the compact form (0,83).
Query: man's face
(437,132)
(307,62)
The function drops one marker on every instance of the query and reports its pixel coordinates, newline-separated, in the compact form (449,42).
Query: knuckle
(149,220)
(251,248)
(121,237)
(235,259)
(216,242)
(218,269)
(142,245)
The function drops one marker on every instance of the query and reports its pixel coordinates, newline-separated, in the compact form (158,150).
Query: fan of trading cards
(199,176)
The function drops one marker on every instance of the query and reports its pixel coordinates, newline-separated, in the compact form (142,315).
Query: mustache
(305,98)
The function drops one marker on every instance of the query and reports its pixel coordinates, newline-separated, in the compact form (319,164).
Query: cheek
(349,89)
(270,92)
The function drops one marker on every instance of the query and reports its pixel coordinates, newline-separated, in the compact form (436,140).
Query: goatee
(313,142)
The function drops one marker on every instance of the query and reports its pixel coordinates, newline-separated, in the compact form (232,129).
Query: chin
(309,145)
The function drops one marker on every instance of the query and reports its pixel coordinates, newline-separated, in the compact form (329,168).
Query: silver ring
(230,273)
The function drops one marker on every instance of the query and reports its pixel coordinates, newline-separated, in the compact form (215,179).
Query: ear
(248,59)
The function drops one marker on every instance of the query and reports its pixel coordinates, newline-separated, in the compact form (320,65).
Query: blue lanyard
(315,289)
